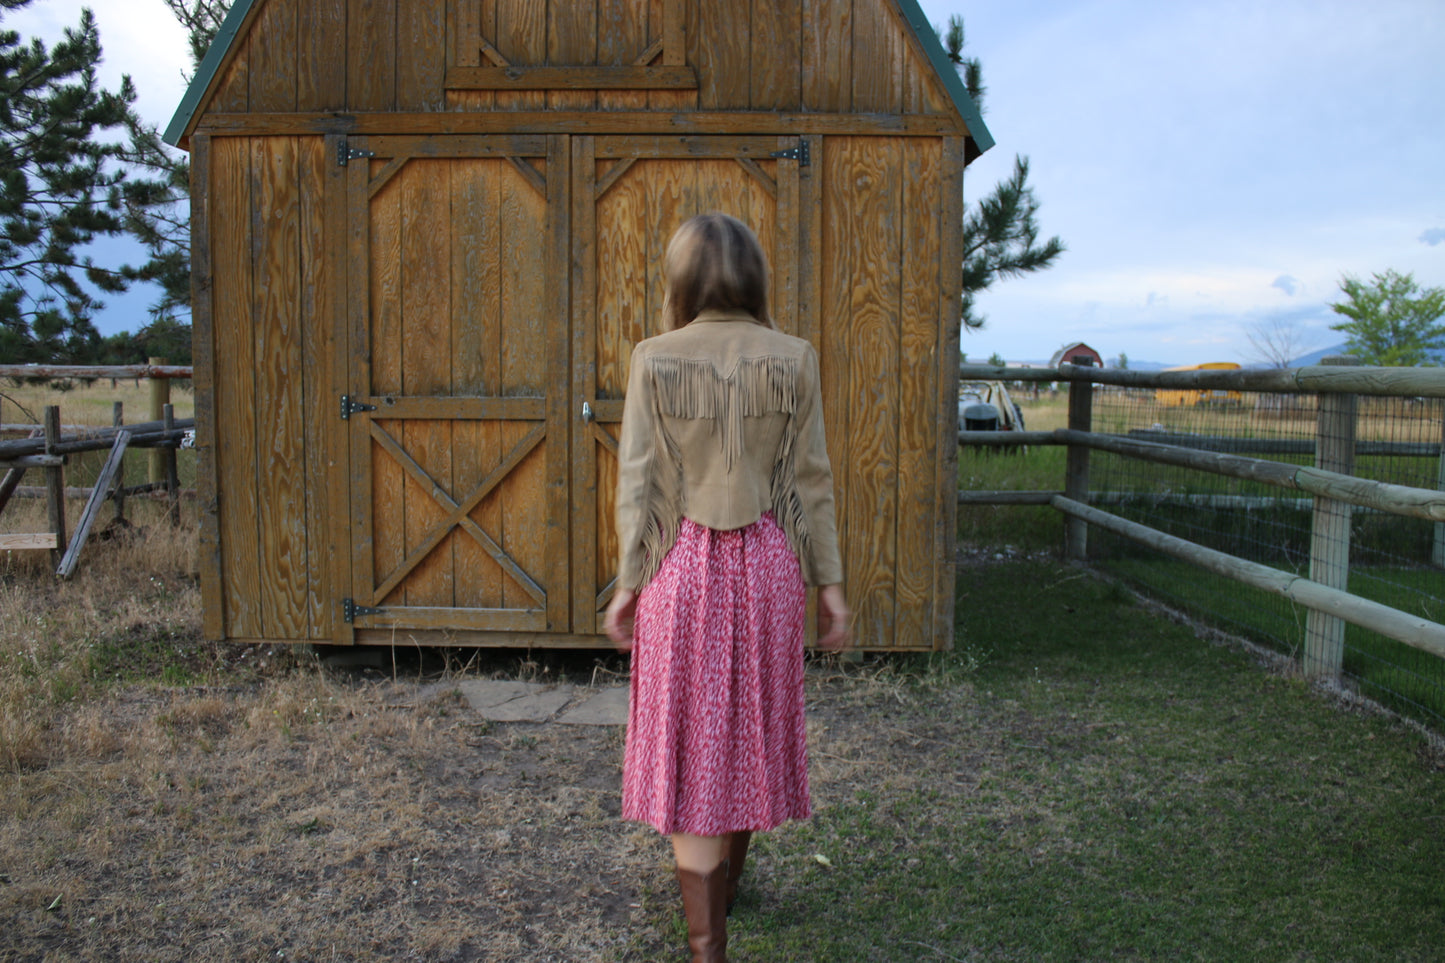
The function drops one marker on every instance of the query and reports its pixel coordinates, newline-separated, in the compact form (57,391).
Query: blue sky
(1212,165)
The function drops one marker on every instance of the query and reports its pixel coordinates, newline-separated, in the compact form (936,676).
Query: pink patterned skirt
(715,733)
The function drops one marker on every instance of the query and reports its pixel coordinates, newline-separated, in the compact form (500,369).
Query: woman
(724,515)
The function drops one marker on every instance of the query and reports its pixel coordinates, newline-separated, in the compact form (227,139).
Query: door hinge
(345,153)
(350,611)
(799,154)
(349,407)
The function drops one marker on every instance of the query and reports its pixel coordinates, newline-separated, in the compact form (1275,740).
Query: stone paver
(507,701)
(604,707)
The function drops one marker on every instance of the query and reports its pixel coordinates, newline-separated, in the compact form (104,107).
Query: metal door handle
(587,415)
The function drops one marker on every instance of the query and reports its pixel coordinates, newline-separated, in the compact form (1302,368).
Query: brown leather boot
(737,855)
(704,903)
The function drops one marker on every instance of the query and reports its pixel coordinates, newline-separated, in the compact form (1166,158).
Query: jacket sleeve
(636,456)
(815,478)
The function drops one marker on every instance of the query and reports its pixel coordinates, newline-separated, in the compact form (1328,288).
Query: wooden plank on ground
(18,542)
(92,506)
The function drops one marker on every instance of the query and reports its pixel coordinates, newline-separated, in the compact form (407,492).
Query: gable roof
(231,33)
(208,70)
(980,139)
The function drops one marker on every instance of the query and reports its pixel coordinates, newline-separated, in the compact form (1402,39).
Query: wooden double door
(496,286)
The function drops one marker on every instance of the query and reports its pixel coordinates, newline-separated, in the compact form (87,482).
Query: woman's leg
(698,854)
(702,874)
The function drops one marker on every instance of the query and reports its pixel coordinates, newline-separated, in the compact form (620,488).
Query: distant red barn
(1069,354)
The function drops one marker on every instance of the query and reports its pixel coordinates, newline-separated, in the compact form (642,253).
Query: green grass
(1390,672)
(1109,787)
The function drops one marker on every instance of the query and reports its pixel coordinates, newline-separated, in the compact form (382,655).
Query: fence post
(55,483)
(160,396)
(173,482)
(117,420)
(1437,548)
(1076,473)
(1330,532)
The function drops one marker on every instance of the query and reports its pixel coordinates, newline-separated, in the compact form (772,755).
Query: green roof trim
(967,109)
(206,72)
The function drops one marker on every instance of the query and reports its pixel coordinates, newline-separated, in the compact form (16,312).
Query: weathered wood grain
(203,382)
(421,54)
(718,46)
(946,408)
(272,51)
(387,482)
(512,120)
(317,323)
(835,326)
(524,372)
(874,371)
(371,55)
(827,61)
(582,386)
(279,380)
(476,364)
(572,42)
(426,372)
(558,359)
(775,75)
(332,344)
(521,37)
(622,37)
(320,73)
(918,448)
(235,390)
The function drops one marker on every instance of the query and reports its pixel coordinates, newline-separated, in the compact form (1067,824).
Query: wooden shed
(427,233)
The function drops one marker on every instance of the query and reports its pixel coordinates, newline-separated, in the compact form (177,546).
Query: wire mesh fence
(1385,557)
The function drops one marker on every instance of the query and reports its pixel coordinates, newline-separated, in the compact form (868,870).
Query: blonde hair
(714,263)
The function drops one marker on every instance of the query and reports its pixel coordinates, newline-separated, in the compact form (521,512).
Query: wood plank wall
(271,330)
(835,56)
(879,334)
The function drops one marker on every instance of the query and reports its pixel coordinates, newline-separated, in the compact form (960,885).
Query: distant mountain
(1314,357)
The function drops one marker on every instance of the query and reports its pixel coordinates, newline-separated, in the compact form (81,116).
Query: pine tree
(1000,235)
(65,182)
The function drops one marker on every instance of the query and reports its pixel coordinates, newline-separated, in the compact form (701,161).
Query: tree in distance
(1391,320)
(66,180)
(1001,234)
(1278,341)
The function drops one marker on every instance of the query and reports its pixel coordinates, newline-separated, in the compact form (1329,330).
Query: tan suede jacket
(723,422)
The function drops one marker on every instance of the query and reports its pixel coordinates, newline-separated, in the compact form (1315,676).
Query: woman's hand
(832,618)
(618,623)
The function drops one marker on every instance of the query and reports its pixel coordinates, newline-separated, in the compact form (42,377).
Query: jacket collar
(714,315)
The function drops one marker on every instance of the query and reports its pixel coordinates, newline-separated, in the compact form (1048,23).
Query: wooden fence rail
(1330,481)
